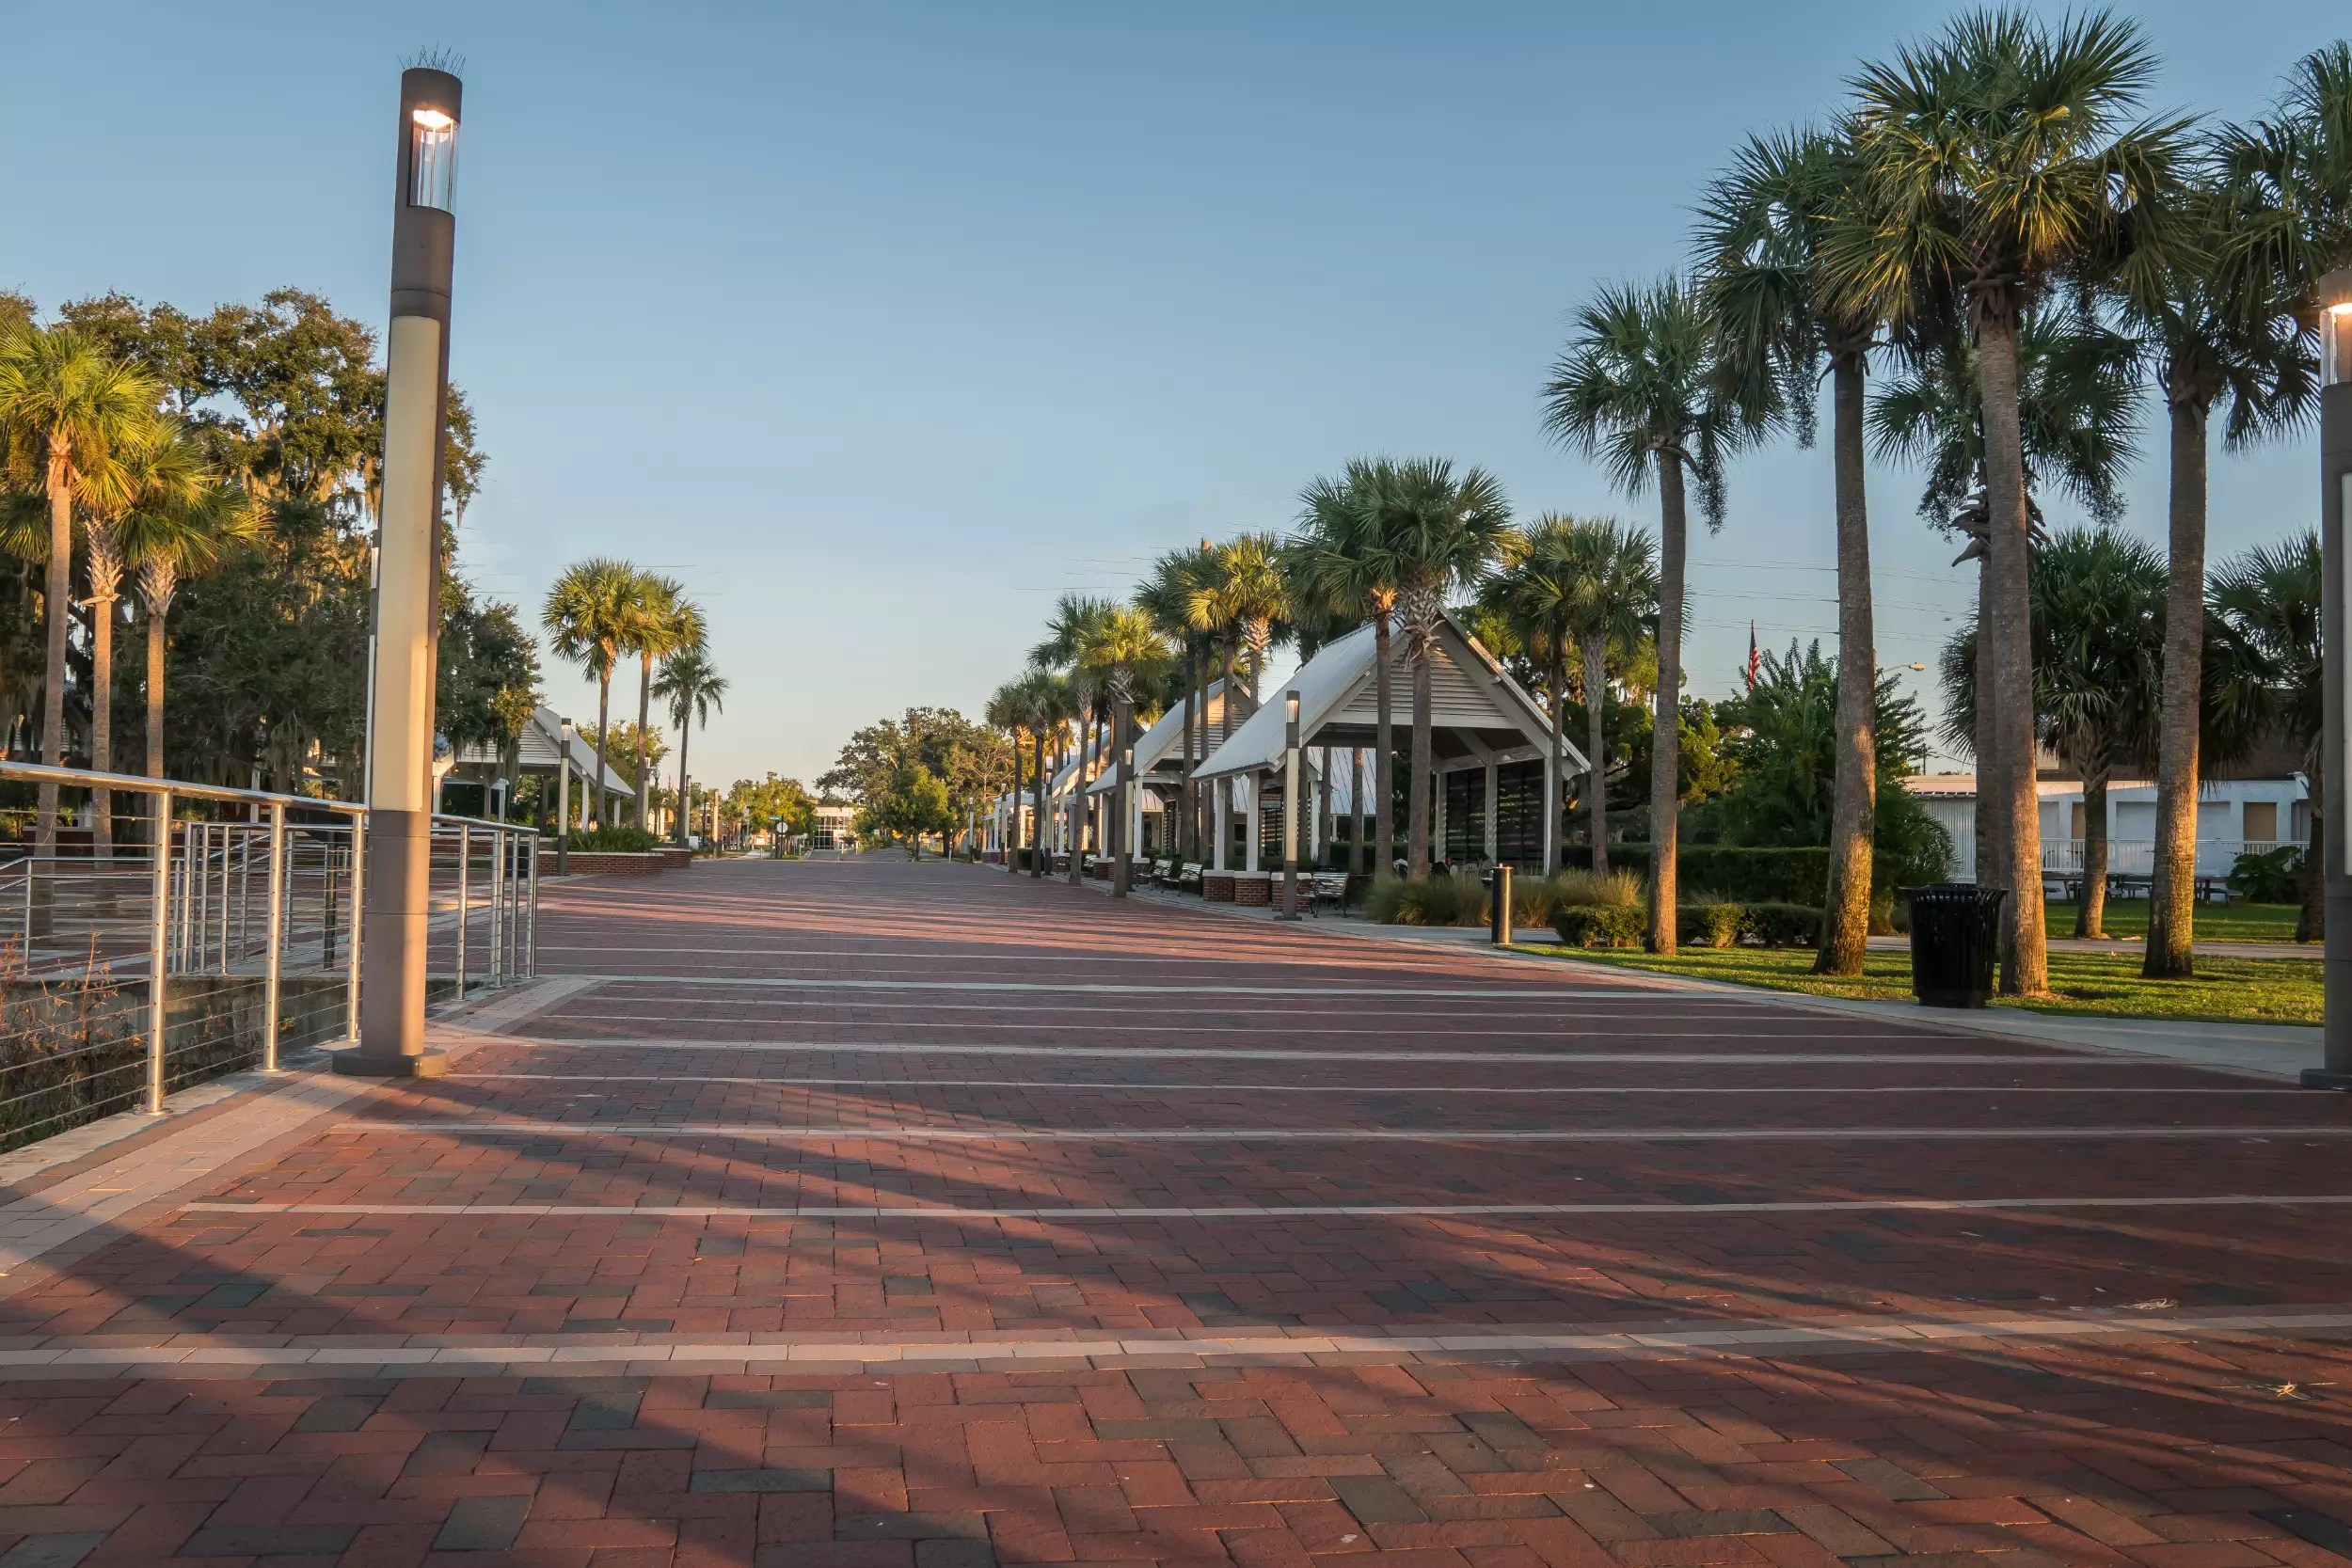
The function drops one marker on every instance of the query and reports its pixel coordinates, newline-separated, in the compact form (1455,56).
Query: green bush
(2274,876)
(614,841)
(1443,899)
(1599,925)
(1779,925)
(1711,925)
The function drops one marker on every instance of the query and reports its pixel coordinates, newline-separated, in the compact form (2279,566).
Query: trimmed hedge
(1746,875)
(614,841)
(1711,925)
(1599,925)
(1774,925)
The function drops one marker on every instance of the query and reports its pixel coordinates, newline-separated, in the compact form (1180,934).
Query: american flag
(1756,660)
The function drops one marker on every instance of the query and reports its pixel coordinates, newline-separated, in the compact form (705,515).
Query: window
(2262,821)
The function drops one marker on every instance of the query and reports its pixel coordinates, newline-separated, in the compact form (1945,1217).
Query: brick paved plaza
(879,1215)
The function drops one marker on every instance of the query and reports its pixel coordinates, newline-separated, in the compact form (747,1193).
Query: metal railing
(125,974)
(2128,858)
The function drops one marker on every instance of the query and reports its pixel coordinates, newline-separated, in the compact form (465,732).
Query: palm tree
(662,623)
(1119,649)
(1338,559)
(692,687)
(1436,532)
(1166,596)
(66,408)
(1009,709)
(1245,592)
(589,616)
(1763,233)
(1600,580)
(2270,670)
(160,469)
(1052,704)
(165,545)
(1529,593)
(1643,386)
(1998,160)
(2078,401)
(1075,617)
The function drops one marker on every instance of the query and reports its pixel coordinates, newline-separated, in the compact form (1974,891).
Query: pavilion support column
(1494,800)
(1356,849)
(1218,791)
(1249,828)
(1552,813)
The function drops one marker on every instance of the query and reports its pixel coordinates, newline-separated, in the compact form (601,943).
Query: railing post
(530,968)
(465,909)
(159,955)
(275,947)
(497,907)
(359,873)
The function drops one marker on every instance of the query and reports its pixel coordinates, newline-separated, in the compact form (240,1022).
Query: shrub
(1599,925)
(614,841)
(1443,899)
(1711,925)
(1619,889)
(2273,876)
(1775,924)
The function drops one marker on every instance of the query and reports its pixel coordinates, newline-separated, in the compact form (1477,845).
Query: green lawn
(2128,917)
(2233,991)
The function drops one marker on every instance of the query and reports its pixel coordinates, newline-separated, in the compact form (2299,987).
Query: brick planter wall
(1218,886)
(601,865)
(1249,888)
(674,859)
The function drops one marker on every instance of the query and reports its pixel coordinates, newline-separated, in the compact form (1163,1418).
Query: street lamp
(1122,852)
(2335,477)
(1289,806)
(400,728)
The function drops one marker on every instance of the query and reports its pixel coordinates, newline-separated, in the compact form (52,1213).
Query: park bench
(1329,887)
(1188,879)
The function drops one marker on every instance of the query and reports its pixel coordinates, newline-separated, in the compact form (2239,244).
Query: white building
(2234,816)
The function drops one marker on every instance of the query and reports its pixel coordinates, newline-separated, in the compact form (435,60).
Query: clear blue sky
(882,324)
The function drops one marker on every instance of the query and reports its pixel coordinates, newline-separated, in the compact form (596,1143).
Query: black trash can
(1955,936)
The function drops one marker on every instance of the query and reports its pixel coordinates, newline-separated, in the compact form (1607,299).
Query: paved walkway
(884,1215)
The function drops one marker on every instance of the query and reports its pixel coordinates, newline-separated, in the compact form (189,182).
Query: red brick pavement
(1016,1014)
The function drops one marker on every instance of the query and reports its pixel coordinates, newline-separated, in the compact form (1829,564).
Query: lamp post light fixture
(1289,806)
(2335,478)
(1123,851)
(400,728)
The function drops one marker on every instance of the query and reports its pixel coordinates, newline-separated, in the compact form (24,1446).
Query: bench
(1188,879)
(1328,887)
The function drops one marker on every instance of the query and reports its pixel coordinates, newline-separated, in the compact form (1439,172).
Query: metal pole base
(2320,1078)
(351,1061)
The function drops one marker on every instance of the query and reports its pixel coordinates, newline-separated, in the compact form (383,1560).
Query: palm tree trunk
(1384,748)
(1665,752)
(1596,738)
(2172,886)
(1037,821)
(1078,794)
(101,703)
(645,716)
(685,785)
(58,597)
(1981,742)
(1420,645)
(155,613)
(1559,679)
(1187,828)
(2024,958)
(604,734)
(1358,859)
(2091,913)
(1845,920)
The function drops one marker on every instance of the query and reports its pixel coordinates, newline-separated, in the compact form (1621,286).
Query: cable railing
(126,975)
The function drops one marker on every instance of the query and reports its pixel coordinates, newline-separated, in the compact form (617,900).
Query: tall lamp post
(1290,807)
(2335,477)
(400,735)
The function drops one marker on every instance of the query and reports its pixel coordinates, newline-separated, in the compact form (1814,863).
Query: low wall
(1217,886)
(598,863)
(1250,888)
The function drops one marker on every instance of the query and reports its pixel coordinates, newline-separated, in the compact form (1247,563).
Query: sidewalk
(2268,1049)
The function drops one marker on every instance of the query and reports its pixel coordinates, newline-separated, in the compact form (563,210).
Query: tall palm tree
(1075,617)
(1166,596)
(1764,231)
(159,470)
(1438,532)
(2077,406)
(692,687)
(589,615)
(1528,591)
(2224,334)
(1247,593)
(1998,160)
(662,622)
(165,545)
(1643,386)
(66,407)
(1612,604)
(1120,649)
(1012,710)
(2267,599)
(1052,705)
(1338,559)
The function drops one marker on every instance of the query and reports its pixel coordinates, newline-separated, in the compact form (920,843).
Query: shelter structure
(495,772)
(1163,753)
(1496,797)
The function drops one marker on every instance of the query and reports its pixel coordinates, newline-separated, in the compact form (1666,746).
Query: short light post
(2329,827)
(1500,915)
(1289,806)
(397,897)
(1122,852)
